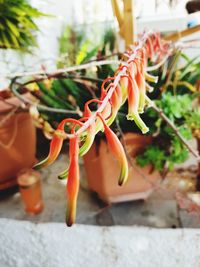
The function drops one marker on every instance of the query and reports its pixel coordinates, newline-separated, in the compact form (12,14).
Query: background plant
(70,92)
(178,87)
(17,26)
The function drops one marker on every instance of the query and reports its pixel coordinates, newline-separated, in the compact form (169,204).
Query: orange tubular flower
(90,135)
(56,144)
(73,181)
(55,148)
(133,105)
(103,89)
(116,102)
(149,48)
(124,87)
(141,85)
(118,151)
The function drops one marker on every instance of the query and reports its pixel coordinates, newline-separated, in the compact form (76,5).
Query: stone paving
(160,210)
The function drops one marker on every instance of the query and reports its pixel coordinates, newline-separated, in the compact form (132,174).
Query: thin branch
(173,127)
(62,71)
(72,77)
(43,107)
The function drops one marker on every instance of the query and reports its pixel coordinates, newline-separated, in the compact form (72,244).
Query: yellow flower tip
(41,164)
(69,223)
(36,167)
(121,182)
(123,178)
(151,89)
(145,130)
(139,122)
(130,117)
(63,175)
(70,216)
(141,110)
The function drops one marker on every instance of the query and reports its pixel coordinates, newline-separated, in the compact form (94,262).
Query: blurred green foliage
(17,26)
(175,93)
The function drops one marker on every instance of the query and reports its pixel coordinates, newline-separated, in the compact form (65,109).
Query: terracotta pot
(17,147)
(102,172)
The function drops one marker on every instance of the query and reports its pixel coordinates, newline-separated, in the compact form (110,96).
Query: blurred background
(40,40)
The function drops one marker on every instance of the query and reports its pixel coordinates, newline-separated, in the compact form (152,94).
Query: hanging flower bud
(116,102)
(73,181)
(151,78)
(141,85)
(56,144)
(63,175)
(149,46)
(133,104)
(106,114)
(90,135)
(124,87)
(91,131)
(55,148)
(118,151)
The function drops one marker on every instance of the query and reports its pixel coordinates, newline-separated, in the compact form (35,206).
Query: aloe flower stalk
(73,181)
(118,151)
(127,82)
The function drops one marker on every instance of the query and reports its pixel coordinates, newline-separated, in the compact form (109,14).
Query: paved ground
(160,210)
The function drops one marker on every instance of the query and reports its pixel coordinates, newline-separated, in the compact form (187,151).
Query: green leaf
(13,28)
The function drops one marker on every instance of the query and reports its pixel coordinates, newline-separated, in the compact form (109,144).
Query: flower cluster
(129,83)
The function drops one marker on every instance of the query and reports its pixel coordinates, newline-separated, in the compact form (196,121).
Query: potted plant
(17,32)
(127,83)
(48,87)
